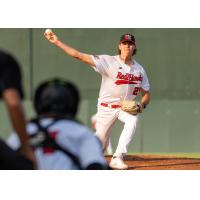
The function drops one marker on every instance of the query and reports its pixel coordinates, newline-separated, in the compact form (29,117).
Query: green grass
(187,155)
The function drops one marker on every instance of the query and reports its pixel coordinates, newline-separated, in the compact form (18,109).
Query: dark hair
(56,97)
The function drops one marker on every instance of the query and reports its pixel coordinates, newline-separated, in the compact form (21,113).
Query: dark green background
(171,58)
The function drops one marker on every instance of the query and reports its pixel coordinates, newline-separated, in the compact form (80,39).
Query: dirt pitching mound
(159,162)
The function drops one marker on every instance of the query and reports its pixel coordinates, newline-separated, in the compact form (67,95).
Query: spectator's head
(56,97)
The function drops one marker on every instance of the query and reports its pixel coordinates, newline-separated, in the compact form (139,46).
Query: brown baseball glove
(131,107)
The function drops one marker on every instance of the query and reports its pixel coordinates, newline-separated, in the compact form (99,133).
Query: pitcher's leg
(105,122)
(103,133)
(130,124)
(109,149)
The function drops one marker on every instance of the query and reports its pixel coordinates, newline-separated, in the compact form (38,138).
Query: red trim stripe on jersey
(121,82)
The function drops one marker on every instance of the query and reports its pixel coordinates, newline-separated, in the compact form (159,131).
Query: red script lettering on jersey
(127,79)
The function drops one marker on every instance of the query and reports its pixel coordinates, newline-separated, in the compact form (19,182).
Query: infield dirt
(160,162)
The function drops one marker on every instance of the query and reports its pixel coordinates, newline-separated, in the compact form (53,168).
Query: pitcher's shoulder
(138,65)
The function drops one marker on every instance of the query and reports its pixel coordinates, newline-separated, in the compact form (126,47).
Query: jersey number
(136,90)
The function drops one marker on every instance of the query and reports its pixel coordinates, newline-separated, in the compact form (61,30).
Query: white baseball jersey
(77,138)
(119,81)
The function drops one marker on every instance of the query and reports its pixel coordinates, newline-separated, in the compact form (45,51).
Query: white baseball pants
(106,118)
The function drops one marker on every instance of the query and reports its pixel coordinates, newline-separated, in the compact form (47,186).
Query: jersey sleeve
(13,141)
(145,82)
(101,64)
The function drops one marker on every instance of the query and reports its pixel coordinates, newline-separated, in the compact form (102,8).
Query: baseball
(48,31)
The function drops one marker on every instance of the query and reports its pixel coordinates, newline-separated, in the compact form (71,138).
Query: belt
(110,105)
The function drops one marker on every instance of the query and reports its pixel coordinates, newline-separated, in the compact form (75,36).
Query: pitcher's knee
(130,126)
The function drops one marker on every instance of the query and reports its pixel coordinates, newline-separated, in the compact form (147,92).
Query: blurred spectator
(60,141)
(11,93)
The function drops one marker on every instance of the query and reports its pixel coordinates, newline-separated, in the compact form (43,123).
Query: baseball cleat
(118,163)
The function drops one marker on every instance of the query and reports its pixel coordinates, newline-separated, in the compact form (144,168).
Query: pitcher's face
(127,47)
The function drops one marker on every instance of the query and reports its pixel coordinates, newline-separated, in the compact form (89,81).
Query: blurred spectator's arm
(17,117)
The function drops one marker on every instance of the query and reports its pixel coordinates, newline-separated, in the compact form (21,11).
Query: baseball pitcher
(122,80)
